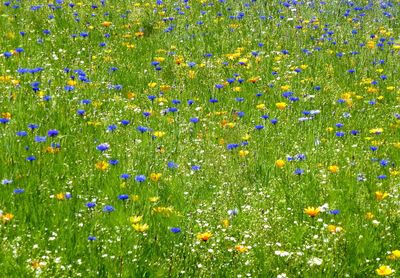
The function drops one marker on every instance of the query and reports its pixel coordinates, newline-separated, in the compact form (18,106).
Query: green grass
(307,51)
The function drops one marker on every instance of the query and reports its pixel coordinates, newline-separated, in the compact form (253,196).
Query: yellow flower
(246,137)
(384,270)
(369,215)
(135,219)
(139,34)
(285,87)
(152,84)
(260,106)
(102,165)
(280,163)
(254,79)
(159,134)
(371,44)
(140,227)
(135,197)
(106,24)
(154,199)
(7,217)
(6,115)
(204,236)
(311,211)
(333,169)
(165,88)
(155,176)
(243,153)
(334,229)
(281,105)
(225,223)
(60,196)
(376,130)
(71,82)
(394,255)
(241,248)
(379,195)
(167,211)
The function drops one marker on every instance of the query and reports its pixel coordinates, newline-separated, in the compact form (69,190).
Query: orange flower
(384,270)
(155,176)
(7,217)
(281,105)
(102,165)
(280,163)
(106,24)
(241,248)
(204,236)
(333,169)
(311,211)
(379,195)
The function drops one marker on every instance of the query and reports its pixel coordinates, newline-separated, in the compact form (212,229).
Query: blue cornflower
(108,208)
(140,178)
(111,128)
(91,238)
(31,158)
(219,86)
(6,181)
(113,161)
(172,165)
(175,230)
(194,120)
(53,133)
(232,146)
(142,129)
(40,139)
(233,212)
(195,168)
(123,197)
(125,176)
(19,191)
(91,205)
(258,127)
(21,133)
(384,163)
(334,211)
(103,147)
(298,171)
(125,122)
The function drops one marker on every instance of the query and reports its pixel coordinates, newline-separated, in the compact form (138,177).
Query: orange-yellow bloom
(384,270)
(204,236)
(280,163)
(379,195)
(311,211)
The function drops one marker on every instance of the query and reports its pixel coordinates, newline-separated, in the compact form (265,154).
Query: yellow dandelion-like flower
(384,270)
(141,228)
(102,165)
(204,236)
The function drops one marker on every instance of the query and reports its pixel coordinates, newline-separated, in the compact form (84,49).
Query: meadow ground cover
(196,138)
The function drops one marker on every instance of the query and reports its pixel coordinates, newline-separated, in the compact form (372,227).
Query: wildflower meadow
(199,138)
